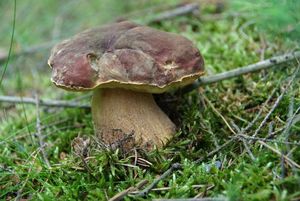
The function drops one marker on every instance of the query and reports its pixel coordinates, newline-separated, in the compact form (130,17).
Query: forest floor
(237,139)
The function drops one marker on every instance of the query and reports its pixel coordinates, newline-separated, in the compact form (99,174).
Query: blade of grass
(11,42)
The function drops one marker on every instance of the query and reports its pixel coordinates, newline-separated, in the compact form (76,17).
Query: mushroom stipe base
(129,119)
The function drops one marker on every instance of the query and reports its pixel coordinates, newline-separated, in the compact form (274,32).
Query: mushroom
(124,64)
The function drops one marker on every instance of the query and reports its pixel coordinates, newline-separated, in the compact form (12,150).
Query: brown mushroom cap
(125,55)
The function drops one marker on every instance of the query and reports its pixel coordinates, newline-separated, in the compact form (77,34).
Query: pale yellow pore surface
(119,112)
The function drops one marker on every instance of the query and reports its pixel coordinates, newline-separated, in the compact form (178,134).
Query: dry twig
(39,133)
(29,50)
(245,143)
(124,193)
(202,81)
(243,70)
(280,97)
(286,132)
(248,150)
(169,188)
(289,124)
(193,199)
(246,137)
(47,103)
(178,11)
(223,145)
(243,130)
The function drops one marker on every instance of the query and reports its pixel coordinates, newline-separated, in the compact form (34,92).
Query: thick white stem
(117,113)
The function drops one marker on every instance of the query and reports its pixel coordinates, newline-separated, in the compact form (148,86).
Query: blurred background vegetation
(229,34)
(280,18)
(38,23)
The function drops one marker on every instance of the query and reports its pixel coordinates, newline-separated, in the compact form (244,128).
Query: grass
(226,43)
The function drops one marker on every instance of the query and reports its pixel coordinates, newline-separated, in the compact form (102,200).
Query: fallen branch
(122,194)
(289,124)
(202,81)
(193,199)
(134,190)
(242,70)
(169,188)
(286,132)
(246,137)
(177,11)
(278,100)
(39,133)
(48,103)
(29,50)
(159,13)
(258,115)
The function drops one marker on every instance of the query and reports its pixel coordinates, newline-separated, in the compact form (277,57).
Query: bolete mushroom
(124,63)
